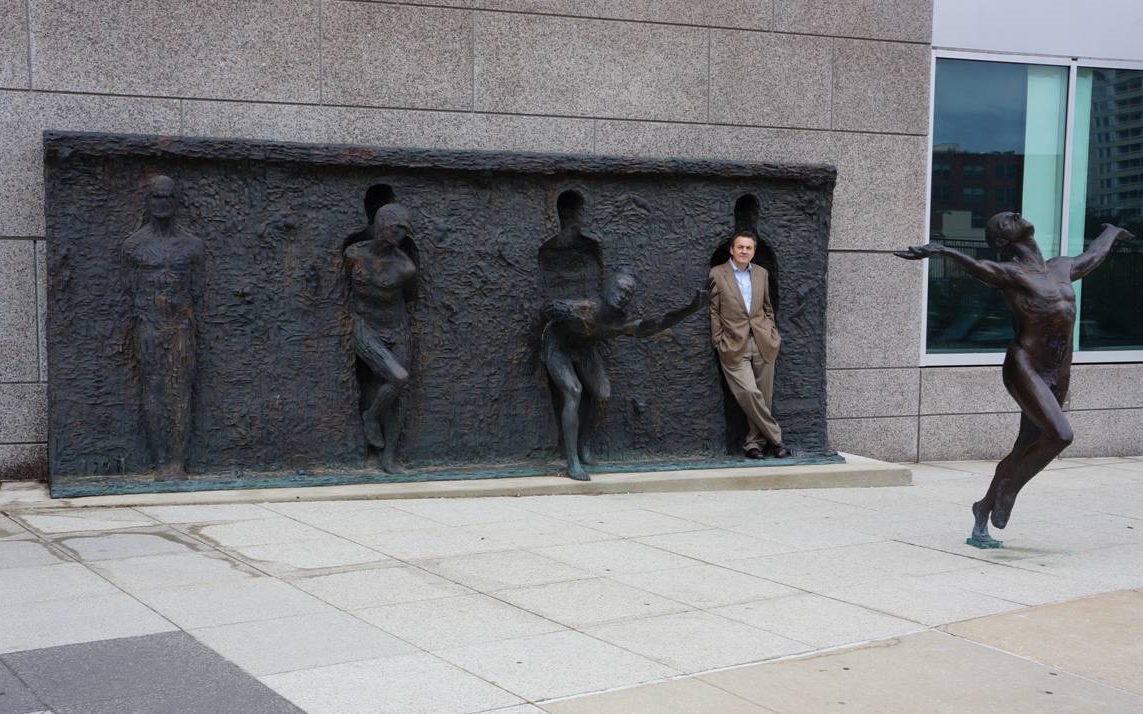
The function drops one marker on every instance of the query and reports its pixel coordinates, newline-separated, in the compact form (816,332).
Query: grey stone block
(24,416)
(881,86)
(745,14)
(967,437)
(454,130)
(770,79)
(14,43)
(18,339)
(23,118)
(572,8)
(387,127)
(744,143)
(872,392)
(535,64)
(887,439)
(376,54)
(269,50)
(639,138)
(904,20)
(873,317)
(1105,432)
(964,390)
(1106,386)
(881,182)
(23,462)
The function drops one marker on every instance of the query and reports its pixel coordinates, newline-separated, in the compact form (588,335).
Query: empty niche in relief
(571,263)
(747,211)
(376,196)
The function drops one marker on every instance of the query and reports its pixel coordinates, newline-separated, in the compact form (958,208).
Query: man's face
(392,225)
(742,250)
(622,290)
(162,199)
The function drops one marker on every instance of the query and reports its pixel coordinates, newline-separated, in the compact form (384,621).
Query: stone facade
(755,80)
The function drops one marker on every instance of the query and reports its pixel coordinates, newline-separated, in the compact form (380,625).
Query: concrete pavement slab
(612,557)
(930,672)
(257,532)
(637,523)
(501,570)
(705,586)
(819,622)
(197,606)
(24,553)
(59,581)
(813,570)
(691,642)
(286,644)
(15,696)
(167,571)
(80,520)
(538,532)
(112,546)
(456,621)
(292,559)
(921,601)
(681,696)
(405,684)
(356,522)
(63,622)
(373,587)
(582,603)
(716,545)
(1026,587)
(224,512)
(555,665)
(454,512)
(10,528)
(424,544)
(1099,637)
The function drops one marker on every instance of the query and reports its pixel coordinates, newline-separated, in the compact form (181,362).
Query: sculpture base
(984,543)
(116,485)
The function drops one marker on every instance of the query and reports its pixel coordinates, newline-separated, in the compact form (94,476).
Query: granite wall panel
(533,64)
(19,361)
(770,79)
(396,56)
(268,50)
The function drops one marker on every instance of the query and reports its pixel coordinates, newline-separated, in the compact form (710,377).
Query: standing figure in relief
(164,273)
(382,278)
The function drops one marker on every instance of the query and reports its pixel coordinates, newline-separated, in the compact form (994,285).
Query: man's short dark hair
(748,234)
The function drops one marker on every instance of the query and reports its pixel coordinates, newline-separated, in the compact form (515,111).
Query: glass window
(999,128)
(1107,169)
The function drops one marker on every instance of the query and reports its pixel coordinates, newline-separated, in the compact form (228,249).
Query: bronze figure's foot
(389,463)
(586,456)
(171,472)
(980,537)
(754,453)
(578,474)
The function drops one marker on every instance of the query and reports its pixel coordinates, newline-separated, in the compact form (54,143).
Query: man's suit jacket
(730,325)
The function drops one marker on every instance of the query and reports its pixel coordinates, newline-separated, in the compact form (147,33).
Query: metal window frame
(1073,64)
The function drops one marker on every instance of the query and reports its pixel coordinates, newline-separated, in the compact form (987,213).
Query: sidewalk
(788,602)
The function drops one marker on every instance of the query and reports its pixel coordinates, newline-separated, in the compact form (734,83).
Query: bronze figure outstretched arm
(1098,251)
(986,271)
(651,325)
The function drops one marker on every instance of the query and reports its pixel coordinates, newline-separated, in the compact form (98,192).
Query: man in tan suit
(744,333)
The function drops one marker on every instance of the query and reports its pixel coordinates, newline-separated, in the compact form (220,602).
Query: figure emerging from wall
(163,266)
(571,263)
(573,332)
(745,333)
(382,277)
(1037,366)
(376,196)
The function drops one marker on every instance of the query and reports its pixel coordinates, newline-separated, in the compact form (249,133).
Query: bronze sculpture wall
(275,388)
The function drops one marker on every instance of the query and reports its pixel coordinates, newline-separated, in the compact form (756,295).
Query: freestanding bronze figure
(1037,366)
(382,279)
(164,271)
(569,348)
